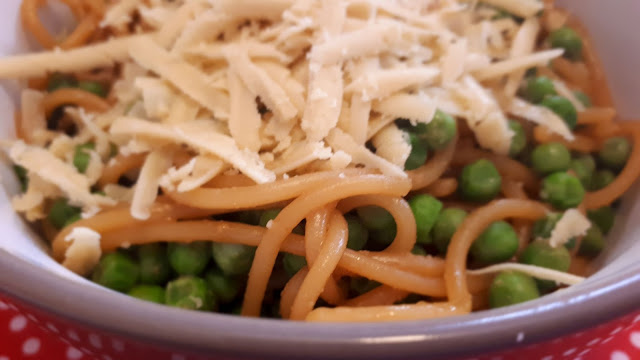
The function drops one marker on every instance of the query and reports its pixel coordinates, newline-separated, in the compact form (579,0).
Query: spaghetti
(319,161)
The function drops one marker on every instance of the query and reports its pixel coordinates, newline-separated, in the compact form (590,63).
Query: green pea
(153,293)
(550,157)
(498,243)
(81,157)
(510,288)
(519,139)
(562,190)
(584,167)
(189,259)
(583,98)
(563,108)
(602,179)
(293,263)
(603,217)
(592,243)
(445,226)
(61,212)
(615,152)
(360,285)
(419,250)
(233,259)
(440,131)
(375,218)
(190,292)
(541,253)
(72,219)
(358,234)
(384,236)
(425,209)
(567,39)
(154,264)
(93,87)
(59,81)
(116,271)
(542,228)
(23,178)
(480,181)
(538,88)
(418,155)
(225,288)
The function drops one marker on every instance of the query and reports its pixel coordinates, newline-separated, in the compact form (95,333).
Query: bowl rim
(601,299)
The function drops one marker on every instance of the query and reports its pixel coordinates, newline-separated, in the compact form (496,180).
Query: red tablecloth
(23,336)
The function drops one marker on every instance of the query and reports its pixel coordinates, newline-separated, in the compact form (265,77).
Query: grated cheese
(146,188)
(505,67)
(523,44)
(81,59)
(541,116)
(417,108)
(383,83)
(259,83)
(535,271)
(571,224)
(522,8)
(202,136)
(244,119)
(185,77)
(392,144)
(84,252)
(119,14)
(55,171)
(339,140)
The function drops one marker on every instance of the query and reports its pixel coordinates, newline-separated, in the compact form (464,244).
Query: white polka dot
(616,330)
(53,328)
(520,337)
(178,357)
(636,319)
(73,335)
(593,342)
(548,357)
(584,352)
(569,352)
(117,345)
(73,353)
(17,323)
(607,340)
(86,351)
(32,318)
(4,306)
(31,346)
(619,355)
(4,357)
(95,341)
(634,338)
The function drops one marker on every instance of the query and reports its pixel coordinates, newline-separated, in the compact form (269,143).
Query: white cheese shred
(532,270)
(571,224)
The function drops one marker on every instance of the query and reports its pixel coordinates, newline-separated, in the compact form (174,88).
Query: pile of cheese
(331,74)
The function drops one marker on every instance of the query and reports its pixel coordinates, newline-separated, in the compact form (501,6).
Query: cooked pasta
(320,160)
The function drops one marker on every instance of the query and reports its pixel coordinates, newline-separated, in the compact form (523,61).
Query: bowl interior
(620,60)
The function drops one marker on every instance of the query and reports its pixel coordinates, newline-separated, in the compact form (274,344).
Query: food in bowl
(320,160)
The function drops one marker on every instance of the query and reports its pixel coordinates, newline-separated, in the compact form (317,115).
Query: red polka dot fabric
(27,333)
